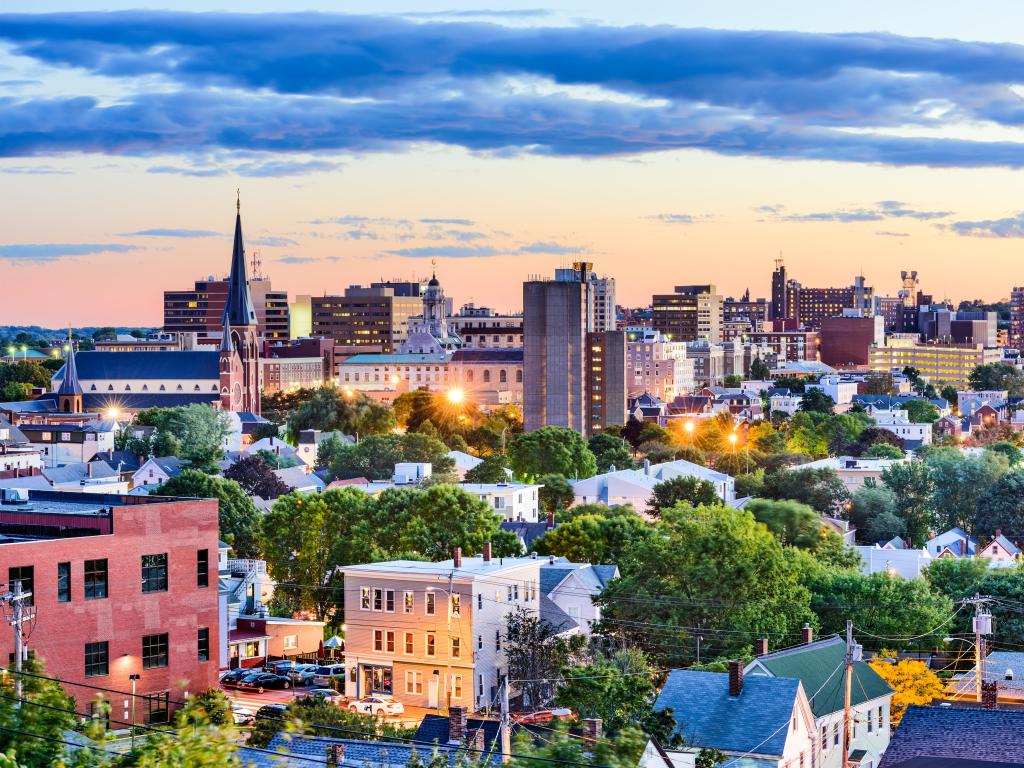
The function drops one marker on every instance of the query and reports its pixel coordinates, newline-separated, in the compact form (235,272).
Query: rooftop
(992,735)
(471,566)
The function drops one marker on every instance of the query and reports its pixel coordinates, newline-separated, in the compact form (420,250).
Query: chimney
(592,730)
(457,557)
(761,646)
(335,754)
(647,466)
(807,635)
(88,469)
(999,532)
(989,694)
(735,677)
(551,520)
(611,468)
(456,724)
(487,551)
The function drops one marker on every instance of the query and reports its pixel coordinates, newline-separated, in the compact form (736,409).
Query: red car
(543,715)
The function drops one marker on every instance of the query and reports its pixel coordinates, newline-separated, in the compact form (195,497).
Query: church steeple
(69,395)
(239,309)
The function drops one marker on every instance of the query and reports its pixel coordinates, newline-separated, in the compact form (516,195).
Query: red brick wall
(179,528)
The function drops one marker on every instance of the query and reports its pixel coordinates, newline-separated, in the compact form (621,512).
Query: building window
(158,707)
(456,648)
(378,640)
(502,376)
(154,573)
(408,602)
(881,718)
(290,642)
(479,601)
(97,659)
(63,582)
(203,568)
(413,682)
(487,376)
(430,644)
(456,606)
(409,644)
(154,651)
(497,639)
(389,600)
(378,599)
(430,603)
(203,643)
(95,579)
(824,737)
(23,575)
(835,733)
(390,642)
(457,687)
(364,599)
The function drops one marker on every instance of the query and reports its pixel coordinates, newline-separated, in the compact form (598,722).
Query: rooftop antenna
(257,263)
(778,261)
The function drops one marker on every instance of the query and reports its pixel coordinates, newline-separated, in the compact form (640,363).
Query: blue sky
(371,140)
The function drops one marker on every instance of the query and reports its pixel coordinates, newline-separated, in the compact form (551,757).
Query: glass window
(97,659)
(378,639)
(378,599)
(154,573)
(389,638)
(95,579)
(364,599)
(430,644)
(408,602)
(203,568)
(290,642)
(154,651)
(457,686)
(23,575)
(456,606)
(456,648)
(409,648)
(480,601)
(158,707)
(430,603)
(63,582)
(203,643)
(389,600)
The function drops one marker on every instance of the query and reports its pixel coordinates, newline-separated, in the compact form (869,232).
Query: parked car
(242,715)
(542,715)
(303,674)
(261,681)
(377,705)
(325,675)
(231,678)
(327,695)
(280,667)
(271,712)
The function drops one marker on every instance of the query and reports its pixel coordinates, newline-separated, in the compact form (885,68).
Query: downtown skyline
(480,140)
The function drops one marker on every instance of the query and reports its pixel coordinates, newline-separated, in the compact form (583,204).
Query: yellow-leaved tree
(913,682)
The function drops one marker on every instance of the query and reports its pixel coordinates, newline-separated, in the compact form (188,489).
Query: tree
(959,483)
(555,494)
(921,411)
(375,456)
(192,742)
(1002,507)
(328,409)
(25,372)
(816,401)
(238,518)
(759,370)
(610,452)
(732,381)
(911,485)
(537,652)
(883,451)
(313,717)
(886,526)
(872,436)
(956,577)
(820,489)
(328,450)
(949,394)
(878,383)
(256,477)
(16,390)
(712,567)
(996,376)
(493,469)
(199,429)
(913,682)
(795,384)
(750,483)
(1014,456)
(869,502)
(681,490)
(594,533)
(47,714)
(793,523)
(559,747)
(551,450)
(276,460)
(765,438)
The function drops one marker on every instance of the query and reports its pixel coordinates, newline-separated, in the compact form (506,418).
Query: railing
(246,565)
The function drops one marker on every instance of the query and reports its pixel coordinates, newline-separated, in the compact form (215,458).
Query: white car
(242,715)
(377,705)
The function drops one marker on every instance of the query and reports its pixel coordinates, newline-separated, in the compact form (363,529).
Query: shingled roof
(948,733)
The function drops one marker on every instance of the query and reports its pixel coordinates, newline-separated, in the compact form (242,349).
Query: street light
(688,426)
(732,439)
(455,396)
(134,678)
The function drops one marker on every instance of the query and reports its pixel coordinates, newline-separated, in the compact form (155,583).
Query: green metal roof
(813,664)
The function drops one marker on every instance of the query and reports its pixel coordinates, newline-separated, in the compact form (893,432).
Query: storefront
(376,679)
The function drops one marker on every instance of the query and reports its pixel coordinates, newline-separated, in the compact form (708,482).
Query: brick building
(846,341)
(120,585)
(201,310)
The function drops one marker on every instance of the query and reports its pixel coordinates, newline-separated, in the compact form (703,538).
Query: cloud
(272,242)
(304,259)
(34,170)
(887,233)
(445,251)
(674,218)
(187,233)
(46,252)
(1011,226)
(885,209)
(290,83)
(550,248)
(449,222)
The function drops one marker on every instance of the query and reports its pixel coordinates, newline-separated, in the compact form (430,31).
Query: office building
(846,340)
(753,312)
(692,313)
(937,362)
(297,364)
(656,365)
(808,307)
(788,345)
(376,317)
(606,379)
(120,586)
(200,310)
(485,328)
(1016,339)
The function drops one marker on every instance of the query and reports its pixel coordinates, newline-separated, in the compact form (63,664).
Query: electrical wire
(931,631)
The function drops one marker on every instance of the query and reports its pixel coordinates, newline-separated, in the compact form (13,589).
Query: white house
(274,445)
(511,501)
(155,471)
(464,462)
(898,422)
(88,477)
(839,389)
(636,486)
(301,479)
(908,563)
(784,403)
(852,470)
(573,587)
(310,441)
(952,543)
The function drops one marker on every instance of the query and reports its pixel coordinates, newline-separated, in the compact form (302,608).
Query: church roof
(69,383)
(142,365)
(238,308)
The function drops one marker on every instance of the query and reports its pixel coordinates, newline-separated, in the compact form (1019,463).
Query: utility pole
(506,724)
(982,627)
(18,614)
(847,720)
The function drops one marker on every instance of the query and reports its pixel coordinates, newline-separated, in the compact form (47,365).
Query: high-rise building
(201,309)
(846,341)
(1017,318)
(602,294)
(606,380)
(374,318)
(557,316)
(780,307)
(937,362)
(807,307)
(656,365)
(692,313)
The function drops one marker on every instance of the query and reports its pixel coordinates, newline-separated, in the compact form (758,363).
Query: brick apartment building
(120,585)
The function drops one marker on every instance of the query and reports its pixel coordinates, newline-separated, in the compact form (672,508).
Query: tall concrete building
(558,315)
(692,313)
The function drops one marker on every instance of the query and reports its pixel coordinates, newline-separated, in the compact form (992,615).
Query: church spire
(238,309)
(70,385)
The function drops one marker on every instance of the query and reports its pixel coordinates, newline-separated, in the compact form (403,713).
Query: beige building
(285,374)
(431,634)
(950,363)
(656,365)
(484,328)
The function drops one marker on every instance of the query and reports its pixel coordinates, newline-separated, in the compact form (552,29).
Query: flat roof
(75,502)
(471,566)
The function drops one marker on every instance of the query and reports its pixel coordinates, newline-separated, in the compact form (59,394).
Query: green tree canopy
(551,450)
(959,483)
(610,452)
(820,489)
(48,713)
(1002,507)
(1014,455)
(996,376)
(817,401)
(556,493)
(328,409)
(911,484)
(685,489)
(493,469)
(792,522)
(374,457)
(869,502)
(921,411)
(759,370)
(239,520)
(200,430)
(594,533)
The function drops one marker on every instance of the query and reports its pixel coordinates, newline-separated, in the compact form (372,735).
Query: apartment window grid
(96,579)
(97,659)
(154,651)
(154,573)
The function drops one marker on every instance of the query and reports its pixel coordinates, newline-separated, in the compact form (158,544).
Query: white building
(656,365)
(464,462)
(636,486)
(898,422)
(88,477)
(839,389)
(573,586)
(908,563)
(784,403)
(510,501)
(156,471)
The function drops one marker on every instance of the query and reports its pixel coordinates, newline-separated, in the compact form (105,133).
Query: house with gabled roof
(573,586)
(818,665)
(956,737)
(955,542)
(755,721)
(1000,552)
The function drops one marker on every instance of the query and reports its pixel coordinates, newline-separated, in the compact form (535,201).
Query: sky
(668,143)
